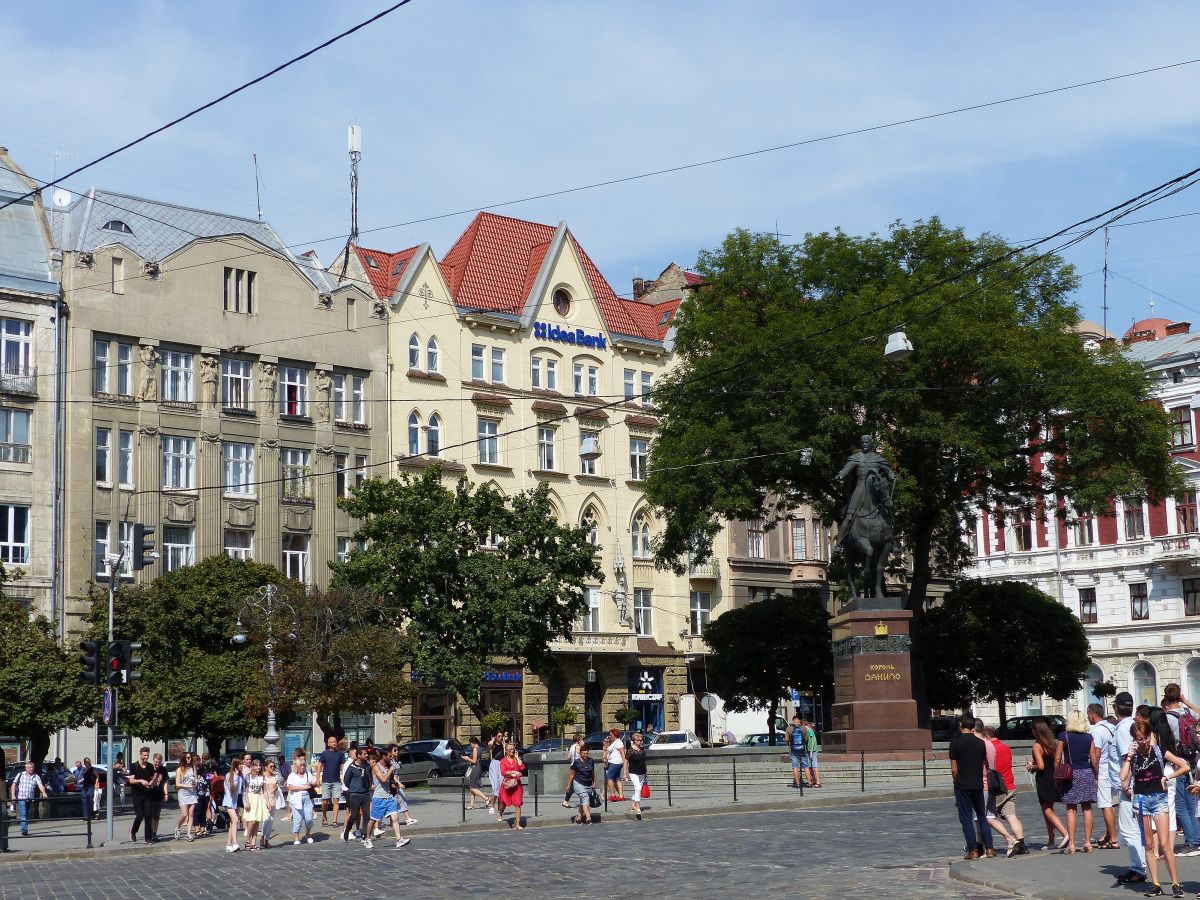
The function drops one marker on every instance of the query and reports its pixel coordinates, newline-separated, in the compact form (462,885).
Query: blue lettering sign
(502,676)
(577,337)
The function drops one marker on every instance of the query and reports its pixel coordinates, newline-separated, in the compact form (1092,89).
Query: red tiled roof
(692,278)
(389,267)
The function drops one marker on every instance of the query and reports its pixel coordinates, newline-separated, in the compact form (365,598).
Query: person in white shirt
(25,786)
(615,768)
(1103,735)
(1127,822)
(298,785)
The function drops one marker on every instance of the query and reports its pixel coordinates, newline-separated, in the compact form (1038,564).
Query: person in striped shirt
(25,786)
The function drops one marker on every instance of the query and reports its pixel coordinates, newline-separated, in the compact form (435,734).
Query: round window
(562,302)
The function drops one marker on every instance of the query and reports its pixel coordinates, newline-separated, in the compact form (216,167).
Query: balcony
(15,379)
(15,453)
(597,642)
(709,570)
(297,485)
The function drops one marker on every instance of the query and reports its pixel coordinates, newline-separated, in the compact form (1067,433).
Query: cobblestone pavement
(891,849)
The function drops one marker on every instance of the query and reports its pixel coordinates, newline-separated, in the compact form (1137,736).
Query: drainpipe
(58,614)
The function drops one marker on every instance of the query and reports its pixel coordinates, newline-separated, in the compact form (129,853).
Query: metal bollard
(88,819)
(924,771)
(669,784)
(464,798)
(862,771)
(535,793)
(4,825)
(735,781)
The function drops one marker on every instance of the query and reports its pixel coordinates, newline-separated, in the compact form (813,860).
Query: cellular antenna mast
(354,145)
(257,187)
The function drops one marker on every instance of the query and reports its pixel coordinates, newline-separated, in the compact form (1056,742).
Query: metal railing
(15,379)
(38,806)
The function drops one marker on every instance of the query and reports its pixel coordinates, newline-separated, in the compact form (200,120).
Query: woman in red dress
(512,793)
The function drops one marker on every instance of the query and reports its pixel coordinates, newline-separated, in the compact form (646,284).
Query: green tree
(470,576)
(1001,642)
(763,649)
(42,687)
(998,385)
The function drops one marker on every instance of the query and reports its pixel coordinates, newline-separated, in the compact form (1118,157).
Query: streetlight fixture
(264,603)
(898,346)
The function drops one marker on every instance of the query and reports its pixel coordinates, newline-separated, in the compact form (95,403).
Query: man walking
(25,786)
(85,783)
(1102,736)
(968,757)
(330,765)
(1183,724)
(1002,808)
(1127,823)
(795,739)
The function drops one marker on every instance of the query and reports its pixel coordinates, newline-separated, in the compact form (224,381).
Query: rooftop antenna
(257,187)
(1151,289)
(1104,304)
(354,145)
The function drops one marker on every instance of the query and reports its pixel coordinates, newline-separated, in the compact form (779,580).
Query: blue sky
(464,104)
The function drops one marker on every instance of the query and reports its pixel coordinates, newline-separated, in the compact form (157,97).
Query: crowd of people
(1135,767)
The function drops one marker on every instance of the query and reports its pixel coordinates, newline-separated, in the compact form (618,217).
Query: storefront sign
(645,684)
(510,675)
(576,336)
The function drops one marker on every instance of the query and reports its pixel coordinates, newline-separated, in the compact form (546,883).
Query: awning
(537,725)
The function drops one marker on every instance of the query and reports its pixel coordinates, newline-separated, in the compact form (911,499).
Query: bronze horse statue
(866,535)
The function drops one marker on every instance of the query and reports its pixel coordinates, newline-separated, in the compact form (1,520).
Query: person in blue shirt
(796,735)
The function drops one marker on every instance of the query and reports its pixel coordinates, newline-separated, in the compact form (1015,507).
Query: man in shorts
(329,764)
(796,735)
(1103,734)
(1002,808)
(383,804)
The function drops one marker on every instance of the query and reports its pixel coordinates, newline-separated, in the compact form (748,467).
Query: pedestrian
(1081,753)
(1128,824)
(398,786)
(1184,725)
(968,757)
(795,739)
(474,758)
(512,793)
(230,802)
(85,783)
(256,804)
(383,803)
(160,794)
(141,788)
(495,754)
(356,784)
(1002,808)
(1106,793)
(811,749)
(1047,753)
(273,793)
(614,756)
(635,767)
(1164,738)
(187,781)
(329,766)
(299,786)
(581,783)
(1145,773)
(26,786)
(577,744)
(120,776)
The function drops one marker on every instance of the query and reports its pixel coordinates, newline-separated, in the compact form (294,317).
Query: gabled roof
(384,270)
(24,236)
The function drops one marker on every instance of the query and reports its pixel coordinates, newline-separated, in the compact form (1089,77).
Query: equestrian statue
(867,533)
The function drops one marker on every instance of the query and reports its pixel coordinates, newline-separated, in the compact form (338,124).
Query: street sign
(106,707)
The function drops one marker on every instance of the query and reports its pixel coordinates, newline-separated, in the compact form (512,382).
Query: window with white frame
(815,532)
(14,533)
(578,373)
(361,466)
(639,458)
(1135,521)
(103,547)
(551,373)
(343,549)
(239,544)
(701,610)
(340,408)
(589,622)
(100,366)
(414,434)
(235,384)
(535,372)
(414,352)
(639,532)
(498,376)
(432,357)
(295,472)
(179,547)
(799,539)
(341,472)
(16,346)
(100,549)
(593,381)
(178,463)
(478,362)
(630,384)
(177,376)
(124,369)
(239,468)
(125,458)
(433,436)
(545,449)
(295,557)
(543,372)
(756,543)
(643,612)
(104,456)
(14,435)
(647,391)
(489,441)
(591,523)
(293,391)
(358,399)
(587,466)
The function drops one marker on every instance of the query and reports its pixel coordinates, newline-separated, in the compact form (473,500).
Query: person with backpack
(1147,772)
(1107,796)
(1183,723)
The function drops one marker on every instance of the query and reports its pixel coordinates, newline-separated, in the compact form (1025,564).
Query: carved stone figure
(148,389)
(267,385)
(210,374)
(324,385)
(867,533)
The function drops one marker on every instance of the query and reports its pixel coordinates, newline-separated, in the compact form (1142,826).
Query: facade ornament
(210,375)
(211,437)
(426,294)
(269,443)
(324,386)
(325,300)
(148,430)
(148,389)
(325,451)
(267,384)
(379,308)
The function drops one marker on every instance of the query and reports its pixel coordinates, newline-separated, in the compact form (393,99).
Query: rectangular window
(643,612)
(535,372)
(630,386)
(701,610)
(545,447)
(756,539)
(477,355)
(489,441)
(589,622)
(104,456)
(178,463)
(339,397)
(125,370)
(1022,531)
(118,275)
(361,464)
(103,548)
(177,376)
(14,533)
(239,291)
(815,531)
(1087,606)
(235,384)
(294,470)
(293,391)
(799,539)
(551,374)
(1185,513)
(14,435)
(179,547)
(646,390)
(100,550)
(295,557)
(578,370)
(497,366)
(593,381)
(343,549)
(100,367)
(239,544)
(1139,604)
(341,463)
(1181,426)
(587,466)
(239,468)
(126,548)
(639,458)
(125,458)
(358,399)
(1135,521)
(1191,596)
(1085,531)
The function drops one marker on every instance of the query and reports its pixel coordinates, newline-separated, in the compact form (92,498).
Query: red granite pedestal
(873,707)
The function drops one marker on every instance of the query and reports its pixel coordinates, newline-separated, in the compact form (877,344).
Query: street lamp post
(264,602)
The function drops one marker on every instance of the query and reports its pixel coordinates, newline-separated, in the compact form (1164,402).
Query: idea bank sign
(576,336)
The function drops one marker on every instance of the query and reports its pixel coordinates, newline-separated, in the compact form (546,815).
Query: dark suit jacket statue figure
(866,534)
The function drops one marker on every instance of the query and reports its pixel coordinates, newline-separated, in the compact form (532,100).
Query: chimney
(639,287)
(1138,336)
(1178,328)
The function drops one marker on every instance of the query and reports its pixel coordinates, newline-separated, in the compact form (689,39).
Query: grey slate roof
(24,242)
(1171,347)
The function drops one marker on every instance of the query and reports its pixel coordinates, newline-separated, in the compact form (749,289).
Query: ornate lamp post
(265,603)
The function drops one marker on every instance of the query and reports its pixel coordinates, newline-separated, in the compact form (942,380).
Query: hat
(1123,699)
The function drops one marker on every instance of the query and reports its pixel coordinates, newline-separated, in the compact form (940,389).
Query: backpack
(1189,744)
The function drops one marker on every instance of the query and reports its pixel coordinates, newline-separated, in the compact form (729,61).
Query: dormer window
(666,317)
(396,271)
(371,262)
(117,225)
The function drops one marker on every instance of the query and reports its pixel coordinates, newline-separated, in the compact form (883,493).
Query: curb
(967,873)
(541,822)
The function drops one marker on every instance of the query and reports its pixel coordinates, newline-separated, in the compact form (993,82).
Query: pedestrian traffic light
(116,665)
(144,554)
(133,663)
(90,660)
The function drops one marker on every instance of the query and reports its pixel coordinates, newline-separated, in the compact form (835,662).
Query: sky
(467,104)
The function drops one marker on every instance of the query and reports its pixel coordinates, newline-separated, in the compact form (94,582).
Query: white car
(676,740)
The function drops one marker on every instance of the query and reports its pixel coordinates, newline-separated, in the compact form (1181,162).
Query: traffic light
(90,660)
(133,663)
(144,553)
(116,664)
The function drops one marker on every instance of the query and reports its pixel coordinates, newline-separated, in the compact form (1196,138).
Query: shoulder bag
(1064,772)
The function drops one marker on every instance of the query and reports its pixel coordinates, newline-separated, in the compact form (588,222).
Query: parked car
(422,765)
(445,748)
(553,744)
(675,740)
(1020,728)
(762,740)
(942,728)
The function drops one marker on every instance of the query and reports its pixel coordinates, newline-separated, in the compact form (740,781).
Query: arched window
(117,225)
(1092,677)
(433,437)
(431,356)
(1145,685)
(1192,673)
(414,434)
(414,352)
(591,522)
(640,534)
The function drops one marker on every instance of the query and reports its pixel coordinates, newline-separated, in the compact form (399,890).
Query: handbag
(593,799)
(1064,772)
(995,783)
(645,791)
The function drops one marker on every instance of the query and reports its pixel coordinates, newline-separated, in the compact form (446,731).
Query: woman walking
(1047,752)
(1144,771)
(1081,752)
(356,782)
(614,756)
(229,802)
(512,792)
(635,767)
(1162,735)
(186,791)
(495,753)
(256,804)
(581,785)
(273,794)
(573,754)
(474,758)
(299,785)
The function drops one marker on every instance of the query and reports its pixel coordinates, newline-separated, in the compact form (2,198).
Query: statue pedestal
(873,709)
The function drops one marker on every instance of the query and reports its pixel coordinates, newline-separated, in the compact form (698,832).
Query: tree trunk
(917,593)
(213,743)
(772,711)
(330,725)
(1003,711)
(39,745)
